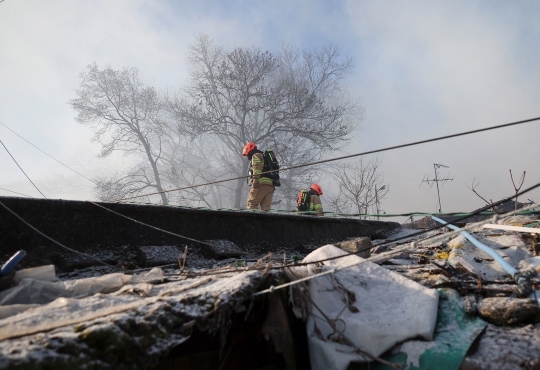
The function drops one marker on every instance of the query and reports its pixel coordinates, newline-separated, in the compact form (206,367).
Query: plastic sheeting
(388,309)
(47,273)
(31,292)
(69,311)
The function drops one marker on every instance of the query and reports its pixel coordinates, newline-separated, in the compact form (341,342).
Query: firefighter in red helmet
(315,204)
(262,185)
(309,201)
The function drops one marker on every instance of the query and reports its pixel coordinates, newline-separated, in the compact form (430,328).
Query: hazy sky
(422,69)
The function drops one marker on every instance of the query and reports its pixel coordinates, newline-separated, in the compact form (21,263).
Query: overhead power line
(478,211)
(464,217)
(11,191)
(22,169)
(277,267)
(50,156)
(348,156)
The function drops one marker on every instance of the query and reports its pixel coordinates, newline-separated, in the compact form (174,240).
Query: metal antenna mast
(436,181)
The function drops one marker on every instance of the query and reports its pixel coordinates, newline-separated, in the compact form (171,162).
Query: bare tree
(358,186)
(252,95)
(197,161)
(517,188)
(127,116)
(490,203)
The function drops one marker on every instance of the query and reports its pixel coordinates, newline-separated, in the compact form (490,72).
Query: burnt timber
(89,229)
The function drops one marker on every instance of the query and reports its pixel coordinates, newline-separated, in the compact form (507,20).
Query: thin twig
(473,189)
(516,188)
(184,258)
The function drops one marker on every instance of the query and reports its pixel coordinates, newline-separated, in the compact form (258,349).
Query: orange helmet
(248,148)
(316,188)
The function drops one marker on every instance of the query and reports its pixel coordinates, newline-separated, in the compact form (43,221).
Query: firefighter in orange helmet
(262,185)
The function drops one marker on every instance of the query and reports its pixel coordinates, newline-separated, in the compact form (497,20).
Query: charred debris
(387,297)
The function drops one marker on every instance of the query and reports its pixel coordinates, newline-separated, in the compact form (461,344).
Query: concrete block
(503,311)
(355,245)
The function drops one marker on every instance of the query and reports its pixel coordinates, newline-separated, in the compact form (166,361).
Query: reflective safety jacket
(316,205)
(257,166)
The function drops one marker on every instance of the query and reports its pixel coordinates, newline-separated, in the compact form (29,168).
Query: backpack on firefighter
(303,201)
(270,164)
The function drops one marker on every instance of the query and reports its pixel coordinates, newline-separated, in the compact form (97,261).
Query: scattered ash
(127,259)
(170,259)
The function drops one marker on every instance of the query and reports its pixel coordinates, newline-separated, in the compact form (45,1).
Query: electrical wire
(11,191)
(157,228)
(65,165)
(272,268)
(465,216)
(54,241)
(336,269)
(478,211)
(288,168)
(411,235)
(348,156)
(22,169)
(442,226)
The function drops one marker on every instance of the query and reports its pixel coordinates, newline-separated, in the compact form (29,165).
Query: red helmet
(248,148)
(316,188)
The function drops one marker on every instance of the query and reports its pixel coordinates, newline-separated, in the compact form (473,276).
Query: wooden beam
(530,230)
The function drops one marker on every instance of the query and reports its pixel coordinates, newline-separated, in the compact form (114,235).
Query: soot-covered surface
(88,228)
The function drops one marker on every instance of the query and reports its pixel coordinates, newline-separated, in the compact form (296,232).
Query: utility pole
(377,199)
(437,180)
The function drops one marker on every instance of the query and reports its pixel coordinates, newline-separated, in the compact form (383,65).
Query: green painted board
(455,331)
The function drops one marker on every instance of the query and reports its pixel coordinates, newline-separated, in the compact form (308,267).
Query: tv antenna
(436,180)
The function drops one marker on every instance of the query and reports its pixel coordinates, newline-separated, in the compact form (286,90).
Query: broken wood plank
(530,230)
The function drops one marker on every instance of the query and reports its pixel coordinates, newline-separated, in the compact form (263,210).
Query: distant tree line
(293,101)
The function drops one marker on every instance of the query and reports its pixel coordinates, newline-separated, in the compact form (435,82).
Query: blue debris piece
(12,262)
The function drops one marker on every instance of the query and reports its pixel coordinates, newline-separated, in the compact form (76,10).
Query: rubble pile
(483,291)
(132,327)
(402,301)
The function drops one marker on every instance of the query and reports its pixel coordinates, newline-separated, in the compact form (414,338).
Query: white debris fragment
(33,291)
(380,308)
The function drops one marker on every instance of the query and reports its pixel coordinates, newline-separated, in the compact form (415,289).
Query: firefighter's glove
(255,184)
(523,280)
